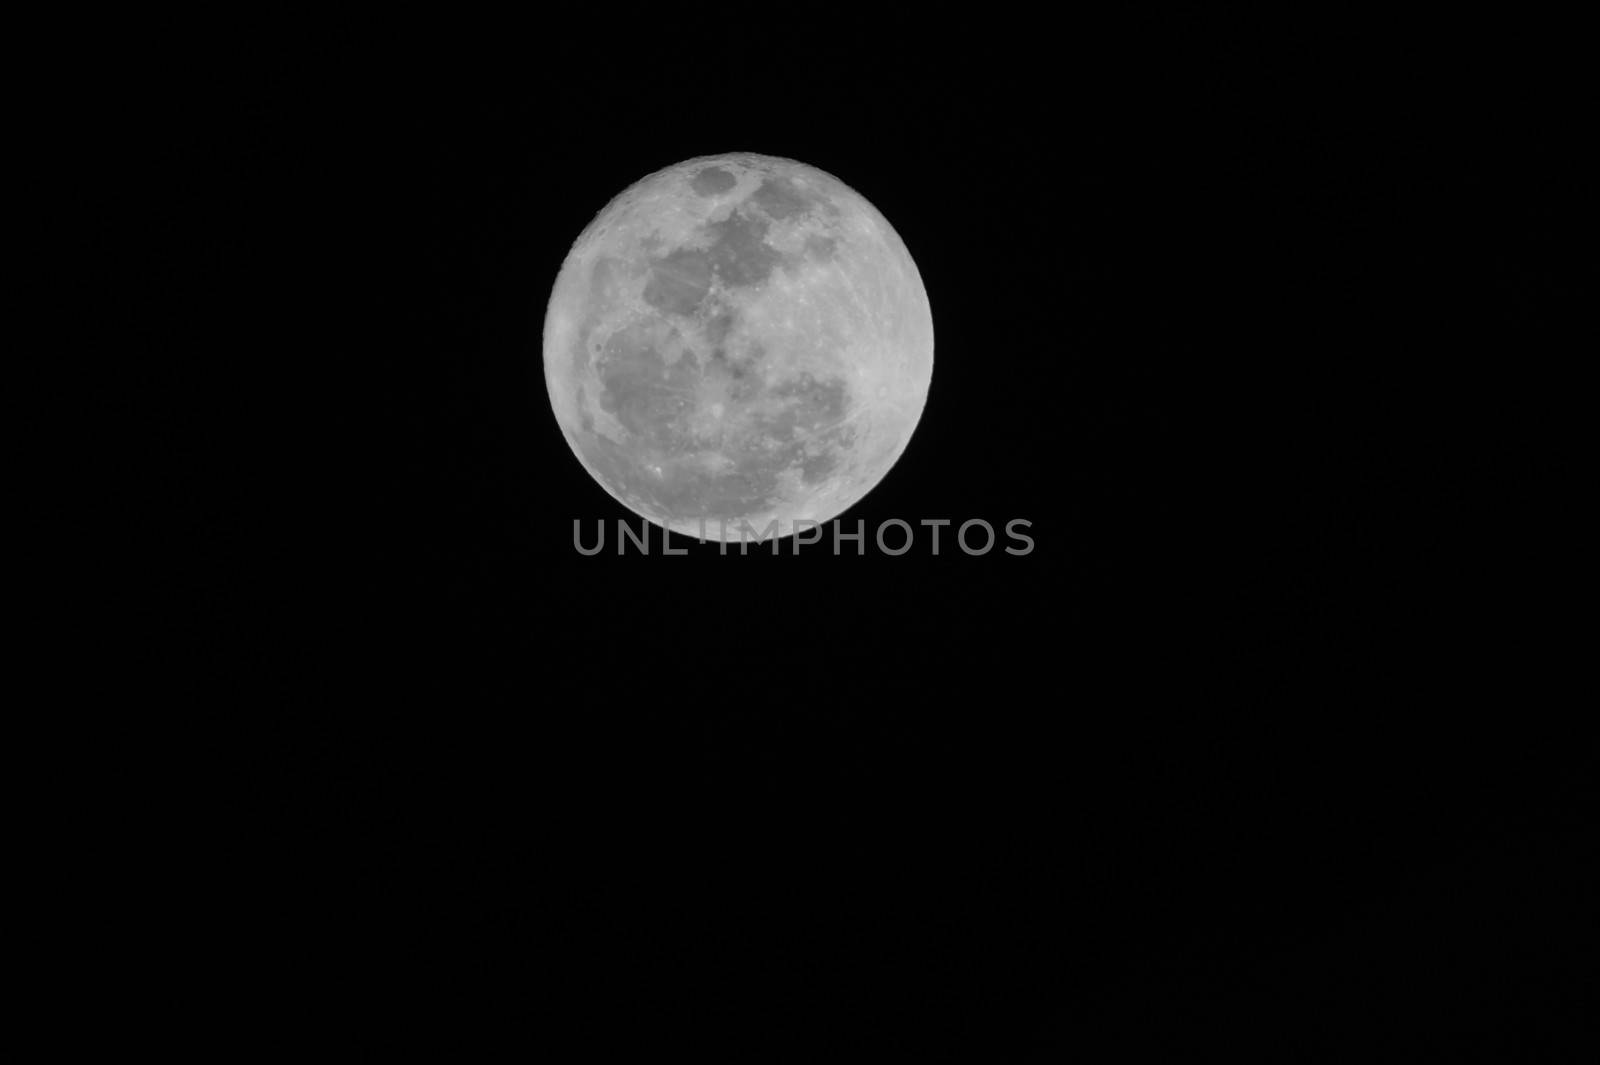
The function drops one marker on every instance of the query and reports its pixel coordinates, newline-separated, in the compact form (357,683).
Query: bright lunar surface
(738,339)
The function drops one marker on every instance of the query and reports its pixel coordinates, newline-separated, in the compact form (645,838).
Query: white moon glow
(738,339)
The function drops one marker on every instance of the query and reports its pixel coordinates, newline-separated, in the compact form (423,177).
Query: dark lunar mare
(712,181)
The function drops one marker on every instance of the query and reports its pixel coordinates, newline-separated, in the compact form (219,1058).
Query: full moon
(738,340)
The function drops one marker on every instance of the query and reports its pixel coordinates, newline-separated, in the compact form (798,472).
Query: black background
(1250,755)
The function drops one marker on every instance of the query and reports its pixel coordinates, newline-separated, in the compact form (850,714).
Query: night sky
(1249,755)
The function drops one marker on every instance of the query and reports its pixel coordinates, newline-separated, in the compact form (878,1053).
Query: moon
(738,340)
